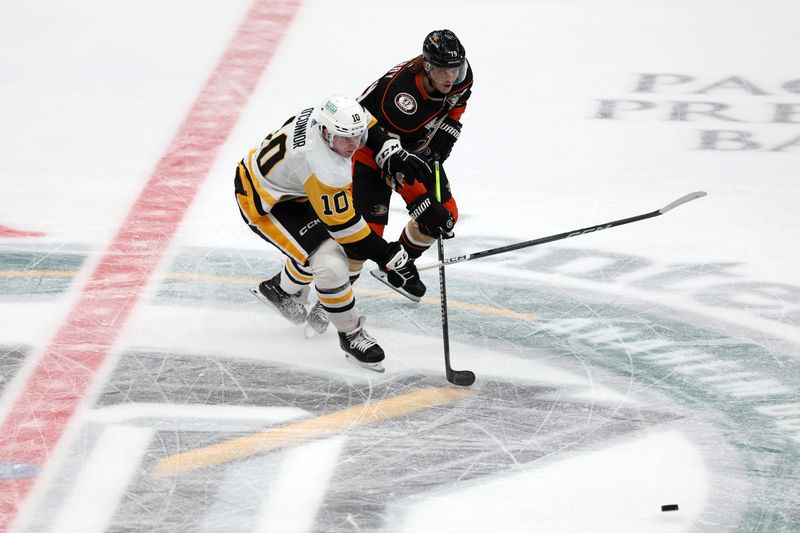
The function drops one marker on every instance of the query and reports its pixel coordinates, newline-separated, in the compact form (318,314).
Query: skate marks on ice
(11,359)
(372,455)
(366,414)
(36,272)
(663,349)
(735,383)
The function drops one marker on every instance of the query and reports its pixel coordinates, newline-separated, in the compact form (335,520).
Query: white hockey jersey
(295,162)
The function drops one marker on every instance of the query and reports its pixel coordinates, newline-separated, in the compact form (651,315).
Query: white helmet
(344,117)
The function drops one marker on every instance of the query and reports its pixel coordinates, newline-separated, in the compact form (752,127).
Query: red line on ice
(66,369)
(6,231)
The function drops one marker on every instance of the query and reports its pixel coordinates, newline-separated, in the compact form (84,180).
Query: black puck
(670,507)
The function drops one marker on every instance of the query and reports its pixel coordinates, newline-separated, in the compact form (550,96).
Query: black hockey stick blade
(462,378)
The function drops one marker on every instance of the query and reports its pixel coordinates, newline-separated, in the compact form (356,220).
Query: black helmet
(443,49)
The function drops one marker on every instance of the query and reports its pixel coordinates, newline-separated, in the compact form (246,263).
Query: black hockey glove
(444,139)
(400,269)
(432,217)
(401,165)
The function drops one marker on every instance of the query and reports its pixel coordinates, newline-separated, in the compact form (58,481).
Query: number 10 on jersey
(336,204)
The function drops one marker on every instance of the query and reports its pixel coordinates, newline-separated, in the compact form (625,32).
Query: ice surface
(650,364)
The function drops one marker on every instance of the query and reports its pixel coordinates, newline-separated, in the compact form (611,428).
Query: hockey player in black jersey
(420,102)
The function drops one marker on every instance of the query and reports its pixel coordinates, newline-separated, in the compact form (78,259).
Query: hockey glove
(432,217)
(444,139)
(401,165)
(400,269)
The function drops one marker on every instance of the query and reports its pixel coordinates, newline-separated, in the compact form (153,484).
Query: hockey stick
(462,378)
(526,244)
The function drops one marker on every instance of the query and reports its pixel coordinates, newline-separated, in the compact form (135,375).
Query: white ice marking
(299,487)
(115,414)
(600,490)
(114,461)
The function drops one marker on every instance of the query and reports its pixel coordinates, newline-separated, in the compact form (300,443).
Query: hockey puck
(670,507)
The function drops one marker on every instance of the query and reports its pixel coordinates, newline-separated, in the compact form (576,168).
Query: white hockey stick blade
(374,367)
(381,276)
(682,200)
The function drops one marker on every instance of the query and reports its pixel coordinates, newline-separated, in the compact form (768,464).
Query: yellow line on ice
(485,309)
(182,276)
(305,430)
(429,300)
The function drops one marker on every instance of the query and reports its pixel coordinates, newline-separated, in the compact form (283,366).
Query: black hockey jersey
(404,109)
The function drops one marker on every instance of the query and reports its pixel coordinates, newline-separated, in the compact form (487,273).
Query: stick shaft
(443,285)
(567,234)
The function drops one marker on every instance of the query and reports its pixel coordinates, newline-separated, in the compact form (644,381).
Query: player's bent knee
(329,265)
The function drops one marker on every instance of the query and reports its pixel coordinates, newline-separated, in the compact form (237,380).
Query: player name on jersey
(300,128)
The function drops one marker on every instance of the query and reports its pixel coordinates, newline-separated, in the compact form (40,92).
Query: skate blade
(310,332)
(375,367)
(381,276)
(257,293)
(315,325)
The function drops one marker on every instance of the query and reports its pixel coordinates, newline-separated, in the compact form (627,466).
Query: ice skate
(270,293)
(362,349)
(414,290)
(317,322)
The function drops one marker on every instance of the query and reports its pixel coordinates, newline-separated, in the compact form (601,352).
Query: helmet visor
(447,76)
(345,145)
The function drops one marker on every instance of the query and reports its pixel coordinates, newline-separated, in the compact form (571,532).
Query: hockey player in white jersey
(293,190)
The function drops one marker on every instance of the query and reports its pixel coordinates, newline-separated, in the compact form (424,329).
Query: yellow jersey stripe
(268,228)
(297,274)
(262,192)
(333,301)
(354,237)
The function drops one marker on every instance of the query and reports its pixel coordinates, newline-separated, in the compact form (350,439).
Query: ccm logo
(310,225)
(589,230)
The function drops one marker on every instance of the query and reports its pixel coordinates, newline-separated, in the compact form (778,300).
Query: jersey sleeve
(334,207)
(376,137)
